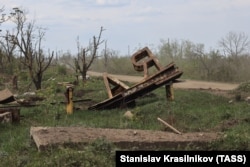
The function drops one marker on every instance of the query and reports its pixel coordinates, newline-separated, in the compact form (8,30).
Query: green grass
(191,111)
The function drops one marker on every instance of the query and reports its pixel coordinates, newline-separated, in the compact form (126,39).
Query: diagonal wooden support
(121,95)
(113,85)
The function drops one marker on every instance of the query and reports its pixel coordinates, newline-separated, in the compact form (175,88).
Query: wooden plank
(171,127)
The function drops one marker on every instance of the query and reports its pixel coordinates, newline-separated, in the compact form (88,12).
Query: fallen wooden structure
(10,106)
(121,95)
(8,114)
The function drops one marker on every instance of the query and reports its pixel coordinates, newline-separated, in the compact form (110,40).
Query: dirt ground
(46,137)
(186,84)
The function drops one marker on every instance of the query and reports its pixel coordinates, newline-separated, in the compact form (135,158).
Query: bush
(244,87)
(62,70)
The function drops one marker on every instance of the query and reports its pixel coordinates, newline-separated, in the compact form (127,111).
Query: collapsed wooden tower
(122,95)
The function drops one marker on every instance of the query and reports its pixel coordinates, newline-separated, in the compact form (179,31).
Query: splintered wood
(51,137)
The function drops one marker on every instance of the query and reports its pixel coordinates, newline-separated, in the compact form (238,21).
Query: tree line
(227,63)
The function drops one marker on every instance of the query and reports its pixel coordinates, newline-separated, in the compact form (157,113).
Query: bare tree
(7,51)
(86,56)
(202,57)
(234,44)
(29,43)
(3,16)
(8,47)
(106,56)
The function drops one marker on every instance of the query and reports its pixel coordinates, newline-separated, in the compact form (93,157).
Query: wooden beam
(171,127)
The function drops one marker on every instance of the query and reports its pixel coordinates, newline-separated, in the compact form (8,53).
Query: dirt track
(187,84)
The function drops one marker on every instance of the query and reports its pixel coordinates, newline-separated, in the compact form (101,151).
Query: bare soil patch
(48,137)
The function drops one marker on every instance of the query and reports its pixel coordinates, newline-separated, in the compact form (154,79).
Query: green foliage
(61,70)
(23,76)
(116,65)
(244,87)
(197,64)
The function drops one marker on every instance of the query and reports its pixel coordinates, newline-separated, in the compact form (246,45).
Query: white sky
(135,23)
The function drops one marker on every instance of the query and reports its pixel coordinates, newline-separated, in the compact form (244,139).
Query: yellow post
(69,96)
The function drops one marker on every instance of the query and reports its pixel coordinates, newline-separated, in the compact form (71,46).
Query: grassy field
(191,111)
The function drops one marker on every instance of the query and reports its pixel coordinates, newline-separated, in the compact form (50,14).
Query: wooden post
(69,96)
(170,97)
(169,92)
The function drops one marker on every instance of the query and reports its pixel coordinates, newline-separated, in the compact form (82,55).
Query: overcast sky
(135,23)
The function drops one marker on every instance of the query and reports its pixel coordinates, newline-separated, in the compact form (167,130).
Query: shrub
(62,70)
(244,87)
